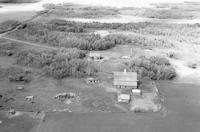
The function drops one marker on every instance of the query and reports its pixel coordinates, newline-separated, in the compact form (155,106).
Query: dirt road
(28,43)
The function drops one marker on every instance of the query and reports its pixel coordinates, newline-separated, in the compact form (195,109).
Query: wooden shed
(94,56)
(124,98)
(91,80)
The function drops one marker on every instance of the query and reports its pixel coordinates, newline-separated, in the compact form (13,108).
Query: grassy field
(181,114)
(20,16)
(22,123)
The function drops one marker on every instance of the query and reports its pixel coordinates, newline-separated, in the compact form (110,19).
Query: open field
(181,114)
(97,97)
(20,16)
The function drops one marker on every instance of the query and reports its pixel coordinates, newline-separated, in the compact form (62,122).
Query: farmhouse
(127,80)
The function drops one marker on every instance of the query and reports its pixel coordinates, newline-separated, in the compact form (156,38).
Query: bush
(156,68)
(192,65)
(173,55)
(8,25)
(16,74)
(2,72)
(7,48)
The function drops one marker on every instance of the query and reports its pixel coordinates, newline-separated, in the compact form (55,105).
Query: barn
(126,80)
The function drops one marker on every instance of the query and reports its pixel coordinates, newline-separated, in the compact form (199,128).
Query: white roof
(124,96)
(93,54)
(136,90)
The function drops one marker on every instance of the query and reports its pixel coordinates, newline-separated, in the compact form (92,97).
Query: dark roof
(125,78)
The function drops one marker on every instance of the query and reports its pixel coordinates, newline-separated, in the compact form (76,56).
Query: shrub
(173,55)
(7,48)
(2,72)
(8,25)
(16,74)
(192,65)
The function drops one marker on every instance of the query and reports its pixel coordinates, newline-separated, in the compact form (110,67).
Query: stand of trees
(58,63)
(156,68)
(61,33)
(16,74)
(51,34)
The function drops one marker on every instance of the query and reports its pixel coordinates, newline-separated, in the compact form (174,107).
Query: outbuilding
(126,80)
(136,91)
(124,98)
(91,80)
(94,56)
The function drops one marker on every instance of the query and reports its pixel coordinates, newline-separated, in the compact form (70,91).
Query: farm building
(124,98)
(127,80)
(94,56)
(136,91)
(126,57)
(102,33)
(91,80)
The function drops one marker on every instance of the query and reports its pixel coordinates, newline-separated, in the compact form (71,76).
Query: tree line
(154,67)
(58,63)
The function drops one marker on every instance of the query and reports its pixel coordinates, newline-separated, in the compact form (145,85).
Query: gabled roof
(125,78)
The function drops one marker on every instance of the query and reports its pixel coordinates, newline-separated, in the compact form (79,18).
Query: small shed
(136,91)
(91,80)
(125,79)
(20,87)
(126,57)
(102,33)
(11,111)
(124,98)
(94,56)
